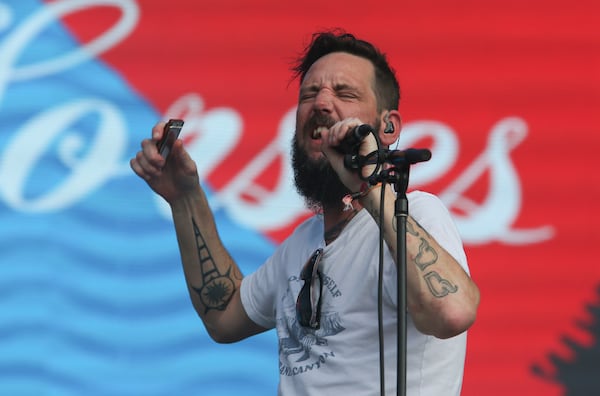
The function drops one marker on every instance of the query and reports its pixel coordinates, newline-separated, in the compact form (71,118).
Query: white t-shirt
(342,357)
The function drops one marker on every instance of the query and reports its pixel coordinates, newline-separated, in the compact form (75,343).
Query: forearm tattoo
(438,286)
(217,289)
(427,256)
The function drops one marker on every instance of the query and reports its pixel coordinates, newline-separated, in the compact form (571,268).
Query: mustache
(318,120)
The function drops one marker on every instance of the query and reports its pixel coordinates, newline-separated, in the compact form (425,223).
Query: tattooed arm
(213,279)
(442,299)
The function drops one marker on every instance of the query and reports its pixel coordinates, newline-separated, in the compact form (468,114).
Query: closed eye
(345,91)
(307,96)
(347,95)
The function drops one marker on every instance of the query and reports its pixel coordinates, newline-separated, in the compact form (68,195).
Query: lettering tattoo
(427,255)
(439,286)
(411,229)
(217,289)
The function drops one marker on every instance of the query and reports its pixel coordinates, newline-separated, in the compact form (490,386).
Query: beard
(316,180)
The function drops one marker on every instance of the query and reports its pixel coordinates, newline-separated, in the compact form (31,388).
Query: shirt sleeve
(260,291)
(258,298)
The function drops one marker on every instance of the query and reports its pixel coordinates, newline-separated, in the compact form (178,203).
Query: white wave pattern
(92,295)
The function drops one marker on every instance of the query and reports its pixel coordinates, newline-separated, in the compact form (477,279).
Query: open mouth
(316,134)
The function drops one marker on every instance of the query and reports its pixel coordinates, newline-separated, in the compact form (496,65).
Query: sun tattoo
(217,289)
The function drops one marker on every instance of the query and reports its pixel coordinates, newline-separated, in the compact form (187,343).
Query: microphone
(352,140)
(408,156)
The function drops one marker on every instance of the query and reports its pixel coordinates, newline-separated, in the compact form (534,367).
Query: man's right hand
(171,179)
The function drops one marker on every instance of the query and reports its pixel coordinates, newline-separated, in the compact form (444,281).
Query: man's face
(336,87)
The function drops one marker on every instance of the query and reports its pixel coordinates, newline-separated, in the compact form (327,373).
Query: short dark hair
(387,89)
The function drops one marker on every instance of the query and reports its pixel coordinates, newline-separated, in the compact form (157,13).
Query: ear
(391,124)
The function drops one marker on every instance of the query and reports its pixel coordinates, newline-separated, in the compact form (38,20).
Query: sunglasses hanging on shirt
(308,303)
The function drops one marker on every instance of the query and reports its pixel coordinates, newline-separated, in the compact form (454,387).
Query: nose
(323,101)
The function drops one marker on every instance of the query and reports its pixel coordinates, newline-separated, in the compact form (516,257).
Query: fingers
(334,136)
(331,139)
(134,163)
(148,163)
(157,131)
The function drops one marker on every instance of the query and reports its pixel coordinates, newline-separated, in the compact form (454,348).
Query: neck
(335,220)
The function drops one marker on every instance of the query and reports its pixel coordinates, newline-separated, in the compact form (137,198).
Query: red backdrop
(467,64)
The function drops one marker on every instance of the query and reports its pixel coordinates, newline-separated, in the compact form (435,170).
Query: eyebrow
(337,87)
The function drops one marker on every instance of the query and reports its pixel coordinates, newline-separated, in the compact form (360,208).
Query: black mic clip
(350,144)
(351,161)
(394,157)
(407,157)
(356,161)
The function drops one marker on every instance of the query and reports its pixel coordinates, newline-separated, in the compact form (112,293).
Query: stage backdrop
(92,297)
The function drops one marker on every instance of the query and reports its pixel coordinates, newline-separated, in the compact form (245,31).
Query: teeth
(317,132)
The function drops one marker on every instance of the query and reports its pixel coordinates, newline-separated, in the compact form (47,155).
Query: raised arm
(213,278)
(441,297)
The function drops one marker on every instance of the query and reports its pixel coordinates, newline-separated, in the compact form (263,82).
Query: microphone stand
(401,214)
(398,174)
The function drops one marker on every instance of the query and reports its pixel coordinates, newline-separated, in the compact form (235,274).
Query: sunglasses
(308,304)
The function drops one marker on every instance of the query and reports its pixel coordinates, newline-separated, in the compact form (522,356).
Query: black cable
(400,178)
(358,162)
(380,295)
